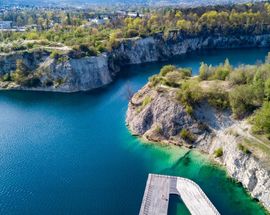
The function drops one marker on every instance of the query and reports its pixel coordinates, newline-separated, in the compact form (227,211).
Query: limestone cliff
(156,115)
(69,75)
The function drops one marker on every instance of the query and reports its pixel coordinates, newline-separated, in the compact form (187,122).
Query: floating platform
(158,190)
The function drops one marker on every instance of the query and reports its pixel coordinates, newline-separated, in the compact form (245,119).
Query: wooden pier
(158,190)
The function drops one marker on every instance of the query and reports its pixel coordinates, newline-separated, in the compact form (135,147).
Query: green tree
(203,71)
(267,89)
(242,100)
(261,119)
(20,73)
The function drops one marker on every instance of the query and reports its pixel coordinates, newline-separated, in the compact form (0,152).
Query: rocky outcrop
(70,75)
(77,74)
(64,74)
(162,119)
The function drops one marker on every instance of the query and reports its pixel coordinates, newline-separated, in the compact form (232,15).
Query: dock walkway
(158,190)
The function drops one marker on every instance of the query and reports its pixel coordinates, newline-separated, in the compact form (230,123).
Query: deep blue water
(72,153)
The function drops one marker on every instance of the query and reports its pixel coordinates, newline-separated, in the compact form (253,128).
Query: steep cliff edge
(156,114)
(69,74)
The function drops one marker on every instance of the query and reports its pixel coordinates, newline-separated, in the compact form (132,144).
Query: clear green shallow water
(72,154)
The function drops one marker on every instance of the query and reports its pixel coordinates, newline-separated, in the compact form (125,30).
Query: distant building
(99,20)
(5,24)
(133,14)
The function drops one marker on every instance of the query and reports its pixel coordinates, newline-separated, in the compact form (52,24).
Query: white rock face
(245,168)
(166,112)
(79,74)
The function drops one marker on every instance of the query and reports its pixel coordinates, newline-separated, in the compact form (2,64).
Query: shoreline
(88,73)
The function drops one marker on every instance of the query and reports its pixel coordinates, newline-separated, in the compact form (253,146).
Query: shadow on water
(184,160)
(177,206)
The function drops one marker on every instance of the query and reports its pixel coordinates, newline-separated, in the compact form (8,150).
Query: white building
(97,21)
(133,14)
(5,24)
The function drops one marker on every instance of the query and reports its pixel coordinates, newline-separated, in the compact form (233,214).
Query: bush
(189,94)
(21,72)
(220,72)
(185,72)
(243,149)
(218,98)
(6,77)
(31,82)
(155,80)
(147,100)
(48,83)
(261,119)
(158,130)
(240,76)
(218,152)
(132,33)
(204,71)
(85,50)
(242,100)
(54,55)
(267,89)
(184,133)
(187,135)
(166,69)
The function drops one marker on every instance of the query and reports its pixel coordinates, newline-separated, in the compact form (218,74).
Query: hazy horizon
(121,2)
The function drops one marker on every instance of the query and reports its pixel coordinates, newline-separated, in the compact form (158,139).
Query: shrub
(187,135)
(6,77)
(30,45)
(20,73)
(48,83)
(174,76)
(242,100)
(189,94)
(218,152)
(218,98)
(146,101)
(85,50)
(155,80)
(158,130)
(166,69)
(220,72)
(59,82)
(132,33)
(267,89)
(243,149)
(261,119)
(184,133)
(204,71)
(54,55)
(31,82)
(185,72)
(238,76)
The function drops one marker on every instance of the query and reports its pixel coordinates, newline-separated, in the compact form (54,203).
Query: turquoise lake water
(72,153)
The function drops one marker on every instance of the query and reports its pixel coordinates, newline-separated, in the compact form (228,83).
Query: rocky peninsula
(175,108)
